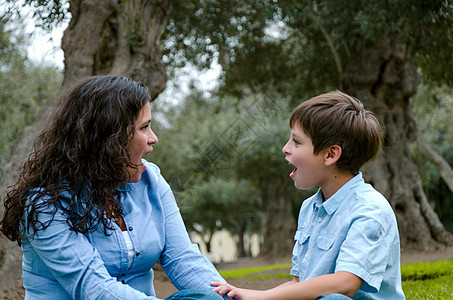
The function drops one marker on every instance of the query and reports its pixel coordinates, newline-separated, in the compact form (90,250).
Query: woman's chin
(137,174)
(135,178)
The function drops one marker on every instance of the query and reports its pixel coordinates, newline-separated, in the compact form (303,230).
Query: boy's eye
(296,142)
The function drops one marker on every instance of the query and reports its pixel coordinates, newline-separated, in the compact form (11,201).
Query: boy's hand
(232,292)
(225,289)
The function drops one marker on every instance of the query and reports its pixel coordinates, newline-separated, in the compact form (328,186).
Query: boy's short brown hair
(336,118)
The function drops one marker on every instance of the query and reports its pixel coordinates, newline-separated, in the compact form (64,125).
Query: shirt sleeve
(366,250)
(75,263)
(181,260)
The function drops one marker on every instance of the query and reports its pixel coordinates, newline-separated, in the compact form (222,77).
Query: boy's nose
(285,149)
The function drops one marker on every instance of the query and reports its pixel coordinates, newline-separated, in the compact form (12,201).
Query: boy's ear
(332,155)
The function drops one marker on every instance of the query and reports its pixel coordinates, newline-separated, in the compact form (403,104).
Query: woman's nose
(152,139)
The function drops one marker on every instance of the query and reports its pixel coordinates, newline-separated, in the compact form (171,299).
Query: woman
(91,215)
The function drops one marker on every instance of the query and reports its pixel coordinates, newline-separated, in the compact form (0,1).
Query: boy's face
(309,168)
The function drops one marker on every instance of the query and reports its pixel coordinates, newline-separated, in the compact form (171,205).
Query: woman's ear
(332,155)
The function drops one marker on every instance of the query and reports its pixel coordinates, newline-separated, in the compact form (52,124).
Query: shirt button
(122,275)
(123,281)
(137,254)
(131,228)
(319,219)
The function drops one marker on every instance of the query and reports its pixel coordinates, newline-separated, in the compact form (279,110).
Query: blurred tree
(24,86)
(302,48)
(198,158)
(433,108)
(220,142)
(222,203)
(120,37)
(262,162)
(103,36)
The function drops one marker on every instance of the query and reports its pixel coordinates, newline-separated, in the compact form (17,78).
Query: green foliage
(218,200)
(239,36)
(198,31)
(432,109)
(192,153)
(215,155)
(47,14)
(300,48)
(24,87)
(185,130)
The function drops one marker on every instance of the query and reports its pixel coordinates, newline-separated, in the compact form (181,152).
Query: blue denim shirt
(61,264)
(355,231)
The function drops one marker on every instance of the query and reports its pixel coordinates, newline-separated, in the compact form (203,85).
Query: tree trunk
(108,36)
(279,224)
(385,78)
(240,229)
(208,241)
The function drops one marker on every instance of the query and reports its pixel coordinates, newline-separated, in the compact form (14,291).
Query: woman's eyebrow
(145,122)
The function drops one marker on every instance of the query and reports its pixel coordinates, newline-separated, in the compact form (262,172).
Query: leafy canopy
(302,46)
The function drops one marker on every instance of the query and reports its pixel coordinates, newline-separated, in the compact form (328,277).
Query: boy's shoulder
(356,197)
(367,201)
(365,193)
(360,192)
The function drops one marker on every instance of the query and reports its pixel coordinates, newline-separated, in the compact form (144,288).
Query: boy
(347,241)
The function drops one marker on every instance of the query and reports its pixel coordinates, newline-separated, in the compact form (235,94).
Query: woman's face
(141,144)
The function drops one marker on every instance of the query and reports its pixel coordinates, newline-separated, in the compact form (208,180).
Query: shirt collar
(332,204)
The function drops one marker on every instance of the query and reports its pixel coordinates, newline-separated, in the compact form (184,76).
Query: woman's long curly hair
(83,153)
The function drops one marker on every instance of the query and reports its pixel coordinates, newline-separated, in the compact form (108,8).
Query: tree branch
(446,172)
(331,47)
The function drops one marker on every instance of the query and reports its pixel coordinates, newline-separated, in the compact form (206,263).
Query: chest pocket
(324,241)
(301,237)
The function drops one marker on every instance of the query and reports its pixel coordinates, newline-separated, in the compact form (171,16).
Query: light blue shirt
(61,264)
(355,230)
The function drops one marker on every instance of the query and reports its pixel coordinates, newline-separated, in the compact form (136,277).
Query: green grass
(421,281)
(428,280)
(255,272)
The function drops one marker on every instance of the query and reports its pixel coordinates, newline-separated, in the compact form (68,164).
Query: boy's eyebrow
(293,134)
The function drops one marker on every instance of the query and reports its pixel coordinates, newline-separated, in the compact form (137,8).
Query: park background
(221,138)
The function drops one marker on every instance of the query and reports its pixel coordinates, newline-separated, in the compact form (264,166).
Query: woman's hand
(233,292)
